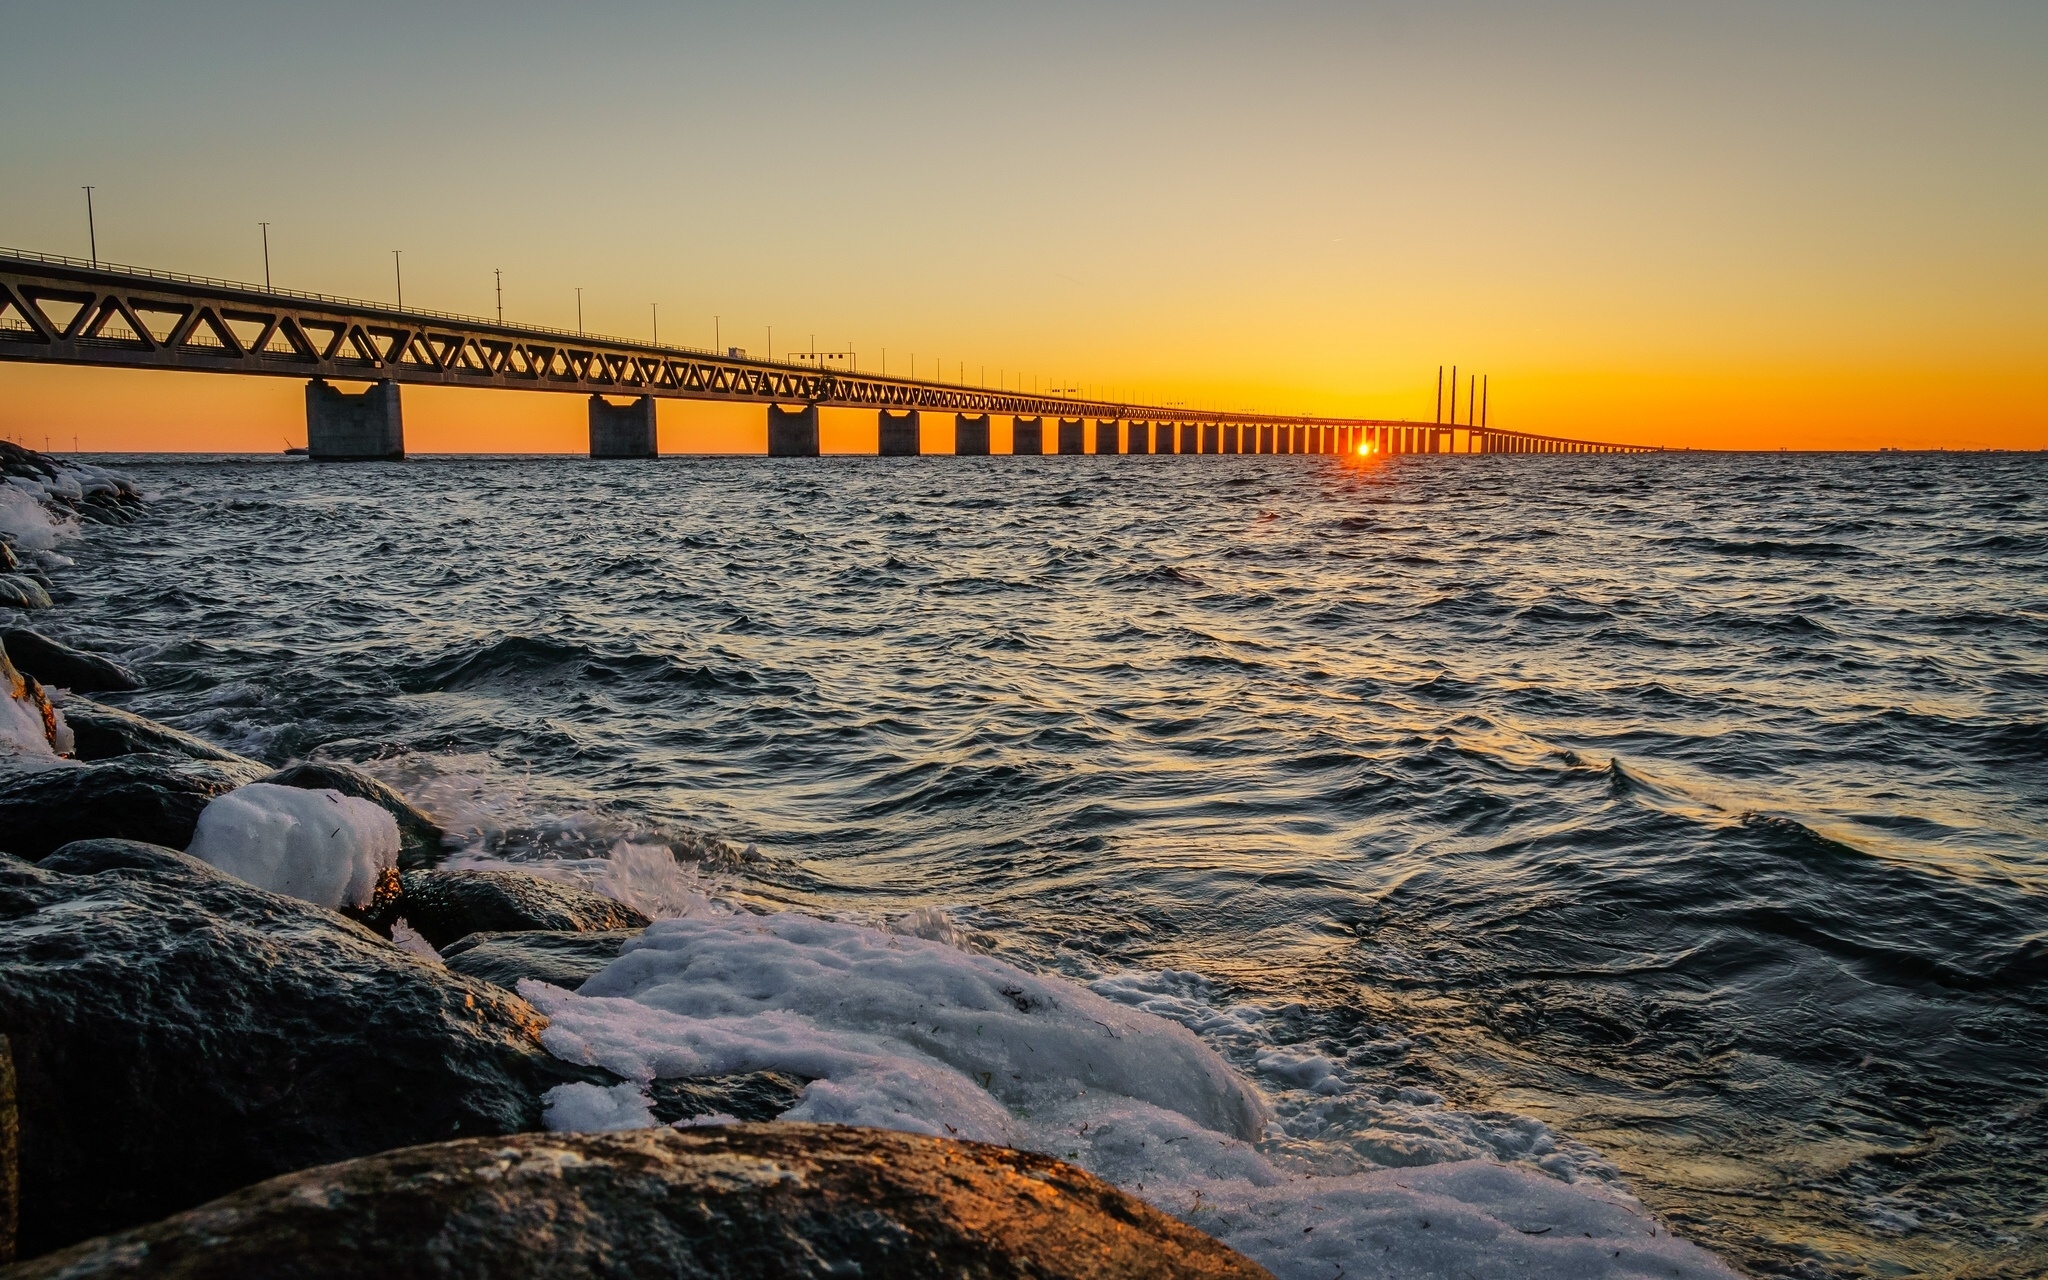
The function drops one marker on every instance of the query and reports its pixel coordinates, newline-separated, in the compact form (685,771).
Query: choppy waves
(1689,806)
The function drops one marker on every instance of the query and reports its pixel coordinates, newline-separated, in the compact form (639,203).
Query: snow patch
(322,846)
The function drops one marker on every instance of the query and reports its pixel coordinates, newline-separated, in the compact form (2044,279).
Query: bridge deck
(59,310)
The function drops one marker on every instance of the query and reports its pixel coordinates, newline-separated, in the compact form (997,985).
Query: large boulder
(747,1202)
(562,959)
(102,732)
(56,663)
(419,837)
(444,906)
(153,798)
(177,1033)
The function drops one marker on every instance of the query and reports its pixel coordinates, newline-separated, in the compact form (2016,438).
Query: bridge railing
(355,304)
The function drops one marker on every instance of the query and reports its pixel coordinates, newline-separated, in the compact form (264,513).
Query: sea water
(1672,827)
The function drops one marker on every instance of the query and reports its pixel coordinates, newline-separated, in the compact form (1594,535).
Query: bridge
(60,310)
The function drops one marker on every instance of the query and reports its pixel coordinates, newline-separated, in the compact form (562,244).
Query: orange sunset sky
(1812,226)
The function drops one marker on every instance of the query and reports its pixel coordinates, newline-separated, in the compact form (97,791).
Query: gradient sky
(1812,225)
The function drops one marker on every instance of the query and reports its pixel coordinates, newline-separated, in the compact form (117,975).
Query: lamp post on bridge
(92,235)
(499,276)
(266,255)
(399,276)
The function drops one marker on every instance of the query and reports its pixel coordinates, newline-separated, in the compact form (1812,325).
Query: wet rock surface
(19,591)
(419,837)
(738,1203)
(58,664)
(444,906)
(177,1033)
(106,733)
(562,959)
(152,798)
(755,1096)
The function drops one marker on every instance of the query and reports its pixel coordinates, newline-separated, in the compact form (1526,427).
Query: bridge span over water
(58,310)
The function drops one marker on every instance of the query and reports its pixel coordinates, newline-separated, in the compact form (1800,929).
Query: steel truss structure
(58,310)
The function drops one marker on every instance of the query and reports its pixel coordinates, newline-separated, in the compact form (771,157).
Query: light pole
(579,313)
(500,277)
(92,236)
(398,275)
(266,255)
(717,338)
(655,308)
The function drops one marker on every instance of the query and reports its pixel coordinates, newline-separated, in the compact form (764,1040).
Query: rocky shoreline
(234,1043)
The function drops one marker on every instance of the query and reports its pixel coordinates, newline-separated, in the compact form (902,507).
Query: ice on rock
(321,846)
(27,740)
(789,980)
(1470,1218)
(590,1108)
(24,741)
(905,1033)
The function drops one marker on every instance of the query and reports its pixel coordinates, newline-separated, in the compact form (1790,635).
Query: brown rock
(766,1201)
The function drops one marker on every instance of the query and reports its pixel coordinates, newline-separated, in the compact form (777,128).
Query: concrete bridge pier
(1108,433)
(1072,438)
(1138,439)
(897,435)
(364,427)
(1189,434)
(1212,438)
(622,431)
(970,435)
(792,433)
(1027,435)
(1265,440)
(1162,437)
(1231,437)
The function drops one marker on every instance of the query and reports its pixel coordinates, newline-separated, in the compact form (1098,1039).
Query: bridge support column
(1072,436)
(622,431)
(1027,435)
(1138,438)
(1162,437)
(898,435)
(970,435)
(365,427)
(1190,438)
(1107,436)
(1212,438)
(792,433)
(1265,440)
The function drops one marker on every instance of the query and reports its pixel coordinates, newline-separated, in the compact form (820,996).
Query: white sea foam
(27,522)
(321,846)
(1125,1080)
(35,523)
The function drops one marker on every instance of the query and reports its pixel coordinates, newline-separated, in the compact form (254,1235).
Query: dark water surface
(1695,805)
